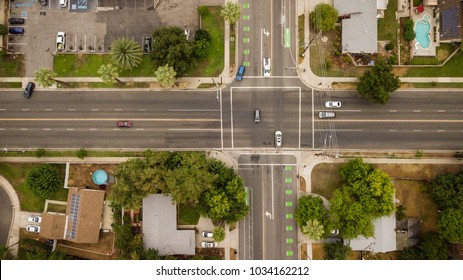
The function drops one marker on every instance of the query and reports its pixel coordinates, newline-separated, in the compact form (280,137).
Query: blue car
(240,74)
(16,30)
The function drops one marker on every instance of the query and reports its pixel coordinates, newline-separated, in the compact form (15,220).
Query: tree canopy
(231,12)
(166,76)
(309,209)
(378,82)
(336,251)
(170,46)
(430,247)
(43,180)
(447,190)
(126,53)
(450,225)
(324,17)
(45,77)
(367,194)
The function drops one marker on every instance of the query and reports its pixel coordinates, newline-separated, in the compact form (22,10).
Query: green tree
(5,253)
(450,225)
(219,233)
(447,190)
(310,208)
(123,239)
(170,47)
(126,53)
(202,43)
(43,180)
(378,82)
(215,205)
(411,253)
(81,153)
(151,254)
(324,17)
(3,29)
(430,247)
(231,12)
(313,229)
(410,33)
(45,77)
(336,251)
(40,152)
(166,76)
(109,73)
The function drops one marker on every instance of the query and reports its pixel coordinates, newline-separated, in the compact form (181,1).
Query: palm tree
(126,53)
(231,12)
(166,75)
(109,73)
(313,230)
(45,77)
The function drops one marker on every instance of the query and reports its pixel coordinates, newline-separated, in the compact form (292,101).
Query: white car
(335,231)
(266,63)
(63,3)
(206,244)
(32,228)
(206,234)
(278,138)
(61,41)
(34,219)
(333,104)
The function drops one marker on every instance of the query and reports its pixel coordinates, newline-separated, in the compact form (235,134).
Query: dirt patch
(302,184)
(80,175)
(211,252)
(325,179)
(317,251)
(103,250)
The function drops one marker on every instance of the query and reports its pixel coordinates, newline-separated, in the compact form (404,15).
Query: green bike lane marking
(245,40)
(246,17)
(288,168)
(245,5)
(287,37)
(245,51)
(289,216)
(288,180)
(246,63)
(288,192)
(289,253)
(246,28)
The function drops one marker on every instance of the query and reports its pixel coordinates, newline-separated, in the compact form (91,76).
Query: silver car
(278,139)
(32,228)
(326,115)
(207,244)
(333,104)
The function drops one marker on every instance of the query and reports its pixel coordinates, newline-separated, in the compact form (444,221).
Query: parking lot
(92,25)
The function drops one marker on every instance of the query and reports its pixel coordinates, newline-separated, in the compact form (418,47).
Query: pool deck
(416,50)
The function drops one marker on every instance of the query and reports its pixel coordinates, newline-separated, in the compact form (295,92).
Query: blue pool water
(100,177)
(422,28)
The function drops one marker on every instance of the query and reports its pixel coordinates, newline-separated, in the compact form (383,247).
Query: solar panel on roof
(73,214)
(449,26)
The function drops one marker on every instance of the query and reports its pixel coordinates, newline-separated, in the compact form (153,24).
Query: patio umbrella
(420,8)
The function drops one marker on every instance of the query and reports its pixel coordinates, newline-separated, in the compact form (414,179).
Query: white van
(63,3)
(326,115)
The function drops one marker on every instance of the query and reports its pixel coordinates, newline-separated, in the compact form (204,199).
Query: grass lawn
(15,173)
(300,27)
(187,215)
(325,179)
(431,85)
(212,65)
(10,85)
(72,154)
(451,69)
(11,67)
(387,26)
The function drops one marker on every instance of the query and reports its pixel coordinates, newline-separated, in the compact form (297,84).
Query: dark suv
(15,20)
(29,89)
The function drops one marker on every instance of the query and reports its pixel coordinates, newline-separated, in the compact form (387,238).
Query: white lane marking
(70,129)
(273,201)
(93,128)
(140,129)
(23,129)
(441,111)
(2,109)
(194,129)
(95,110)
(48,110)
(300,117)
(441,130)
(231,117)
(341,130)
(2,129)
(313,123)
(393,111)
(141,110)
(116,129)
(416,111)
(47,129)
(118,110)
(105,119)
(392,130)
(24,110)
(417,130)
(193,110)
(71,110)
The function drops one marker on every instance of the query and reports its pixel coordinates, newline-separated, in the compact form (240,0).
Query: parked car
(240,73)
(257,116)
(278,138)
(32,228)
(63,3)
(187,33)
(124,124)
(335,231)
(266,67)
(61,41)
(207,244)
(15,20)
(333,104)
(326,115)
(43,2)
(16,30)
(34,219)
(147,44)
(29,90)
(206,234)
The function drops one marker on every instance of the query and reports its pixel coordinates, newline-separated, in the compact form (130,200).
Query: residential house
(450,20)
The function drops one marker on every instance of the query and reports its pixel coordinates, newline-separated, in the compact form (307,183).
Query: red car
(124,124)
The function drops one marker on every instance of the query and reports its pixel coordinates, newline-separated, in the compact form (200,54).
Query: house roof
(160,227)
(384,239)
(53,225)
(359,31)
(81,223)
(84,210)
(451,20)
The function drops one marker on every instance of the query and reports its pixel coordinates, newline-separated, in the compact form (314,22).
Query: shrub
(81,153)
(3,29)
(409,32)
(389,46)
(218,234)
(203,10)
(346,59)
(392,60)
(328,64)
(43,181)
(40,153)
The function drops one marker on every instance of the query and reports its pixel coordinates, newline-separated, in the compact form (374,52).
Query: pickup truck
(61,41)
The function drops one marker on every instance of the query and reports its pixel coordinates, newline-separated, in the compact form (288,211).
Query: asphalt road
(269,232)
(5,217)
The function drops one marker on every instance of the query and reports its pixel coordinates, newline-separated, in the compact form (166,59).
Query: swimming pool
(422,29)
